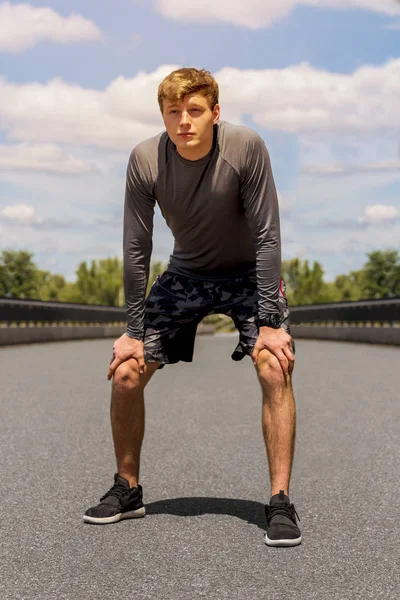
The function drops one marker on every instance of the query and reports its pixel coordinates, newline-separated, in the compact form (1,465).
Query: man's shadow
(247,510)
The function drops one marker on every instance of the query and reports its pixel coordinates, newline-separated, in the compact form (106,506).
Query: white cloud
(20,214)
(69,245)
(356,242)
(298,99)
(285,203)
(256,14)
(380,214)
(342,169)
(43,157)
(26,215)
(123,114)
(23,26)
(303,99)
(366,168)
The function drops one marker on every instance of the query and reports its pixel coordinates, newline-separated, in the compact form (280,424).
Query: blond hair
(182,82)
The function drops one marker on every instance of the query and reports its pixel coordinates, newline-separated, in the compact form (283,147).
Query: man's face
(189,123)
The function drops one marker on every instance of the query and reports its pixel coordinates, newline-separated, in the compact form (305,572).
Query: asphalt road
(204,477)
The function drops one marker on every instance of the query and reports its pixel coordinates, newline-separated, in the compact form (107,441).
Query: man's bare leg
(279,429)
(128,416)
(278,420)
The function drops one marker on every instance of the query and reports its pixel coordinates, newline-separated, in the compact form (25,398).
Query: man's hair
(182,82)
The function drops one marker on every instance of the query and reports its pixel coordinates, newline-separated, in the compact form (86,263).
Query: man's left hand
(279,343)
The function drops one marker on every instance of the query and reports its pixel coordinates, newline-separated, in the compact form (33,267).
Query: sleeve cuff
(134,333)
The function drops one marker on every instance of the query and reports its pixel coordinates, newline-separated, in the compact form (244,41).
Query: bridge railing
(36,312)
(29,321)
(361,312)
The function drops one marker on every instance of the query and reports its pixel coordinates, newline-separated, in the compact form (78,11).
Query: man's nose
(185,119)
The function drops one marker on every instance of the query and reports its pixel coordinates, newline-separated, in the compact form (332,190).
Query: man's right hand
(125,348)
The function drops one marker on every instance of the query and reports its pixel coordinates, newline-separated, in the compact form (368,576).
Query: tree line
(101,281)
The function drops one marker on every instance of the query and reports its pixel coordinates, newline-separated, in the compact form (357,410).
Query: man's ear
(216,113)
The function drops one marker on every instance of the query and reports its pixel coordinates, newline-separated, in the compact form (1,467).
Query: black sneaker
(281,521)
(120,502)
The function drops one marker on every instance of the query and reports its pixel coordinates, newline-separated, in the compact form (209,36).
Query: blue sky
(320,84)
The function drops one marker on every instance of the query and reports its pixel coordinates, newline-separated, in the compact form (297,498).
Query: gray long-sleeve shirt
(222,211)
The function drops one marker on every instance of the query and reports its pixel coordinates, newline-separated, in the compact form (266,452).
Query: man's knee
(127,376)
(270,370)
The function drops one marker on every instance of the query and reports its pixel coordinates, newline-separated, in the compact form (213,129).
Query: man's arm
(137,245)
(262,211)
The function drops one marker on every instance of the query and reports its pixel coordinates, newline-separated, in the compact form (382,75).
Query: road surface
(204,478)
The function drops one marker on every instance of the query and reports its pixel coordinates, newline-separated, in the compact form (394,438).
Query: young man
(214,186)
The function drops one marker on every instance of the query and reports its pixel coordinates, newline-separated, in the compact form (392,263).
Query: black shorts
(176,304)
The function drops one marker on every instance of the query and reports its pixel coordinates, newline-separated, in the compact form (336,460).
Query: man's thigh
(238,299)
(173,309)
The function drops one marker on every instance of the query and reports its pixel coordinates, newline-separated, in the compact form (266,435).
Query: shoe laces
(282,509)
(118,490)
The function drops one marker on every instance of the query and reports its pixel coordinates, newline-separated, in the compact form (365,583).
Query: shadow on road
(248,510)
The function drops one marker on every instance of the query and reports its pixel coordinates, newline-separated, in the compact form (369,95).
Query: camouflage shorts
(176,304)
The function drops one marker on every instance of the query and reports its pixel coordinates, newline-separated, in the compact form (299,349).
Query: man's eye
(173,112)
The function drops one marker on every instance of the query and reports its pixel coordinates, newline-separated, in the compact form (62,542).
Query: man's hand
(279,343)
(125,348)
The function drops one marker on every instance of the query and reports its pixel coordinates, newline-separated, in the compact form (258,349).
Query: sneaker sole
(133,514)
(282,543)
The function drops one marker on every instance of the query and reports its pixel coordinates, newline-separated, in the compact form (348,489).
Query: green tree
(70,293)
(382,274)
(349,287)
(18,274)
(50,286)
(99,283)
(305,284)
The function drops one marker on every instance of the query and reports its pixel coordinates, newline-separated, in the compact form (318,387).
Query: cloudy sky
(318,79)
